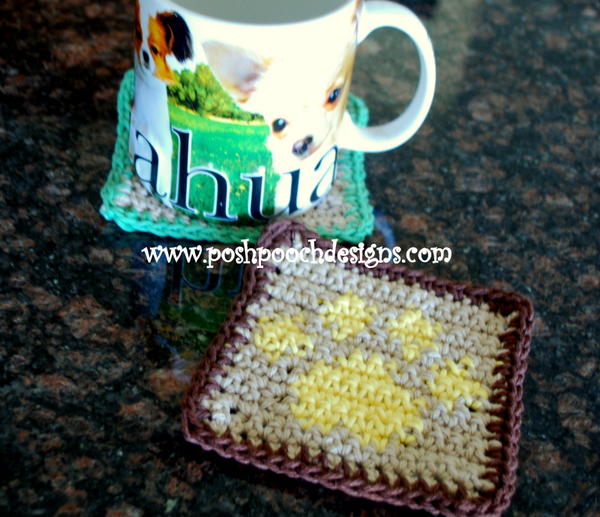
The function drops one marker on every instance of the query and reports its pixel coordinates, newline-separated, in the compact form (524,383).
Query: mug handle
(379,14)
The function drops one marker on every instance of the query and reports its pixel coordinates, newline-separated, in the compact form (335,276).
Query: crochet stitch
(345,213)
(383,383)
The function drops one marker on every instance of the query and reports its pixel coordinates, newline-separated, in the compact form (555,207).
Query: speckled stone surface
(96,345)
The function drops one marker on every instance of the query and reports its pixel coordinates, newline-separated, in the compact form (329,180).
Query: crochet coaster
(384,383)
(345,213)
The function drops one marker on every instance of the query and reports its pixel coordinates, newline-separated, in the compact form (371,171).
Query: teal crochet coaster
(344,214)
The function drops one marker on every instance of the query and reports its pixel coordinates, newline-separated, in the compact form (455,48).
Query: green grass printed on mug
(230,145)
(200,92)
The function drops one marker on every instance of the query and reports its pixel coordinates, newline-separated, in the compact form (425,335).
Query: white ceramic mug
(240,105)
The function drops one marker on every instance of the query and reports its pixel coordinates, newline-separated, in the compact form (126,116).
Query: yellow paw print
(357,392)
(347,315)
(360,396)
(279,334)
(455,381)
(416,333)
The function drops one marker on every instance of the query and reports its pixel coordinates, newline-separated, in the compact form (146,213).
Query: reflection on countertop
(98,345)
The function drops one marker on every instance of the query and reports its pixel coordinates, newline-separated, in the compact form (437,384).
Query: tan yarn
(381,375)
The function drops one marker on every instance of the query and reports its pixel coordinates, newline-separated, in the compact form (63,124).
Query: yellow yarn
(416,333)
(348,315)
(276,335)
(358,395)
(454,382)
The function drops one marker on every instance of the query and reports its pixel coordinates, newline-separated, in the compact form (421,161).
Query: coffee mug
(240,105)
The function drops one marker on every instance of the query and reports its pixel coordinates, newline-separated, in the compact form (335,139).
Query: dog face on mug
(166,34)
(301,104)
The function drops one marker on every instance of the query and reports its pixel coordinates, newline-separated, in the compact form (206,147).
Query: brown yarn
(354,479)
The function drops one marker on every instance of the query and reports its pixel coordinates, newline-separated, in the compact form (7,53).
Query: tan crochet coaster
(383,383)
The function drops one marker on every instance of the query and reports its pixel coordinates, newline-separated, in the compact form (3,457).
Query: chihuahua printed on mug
(301,115)
(156,38)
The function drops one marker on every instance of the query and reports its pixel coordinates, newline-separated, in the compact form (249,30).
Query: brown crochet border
(508,392)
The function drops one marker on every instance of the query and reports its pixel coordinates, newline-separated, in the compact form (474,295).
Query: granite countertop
(97,346)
